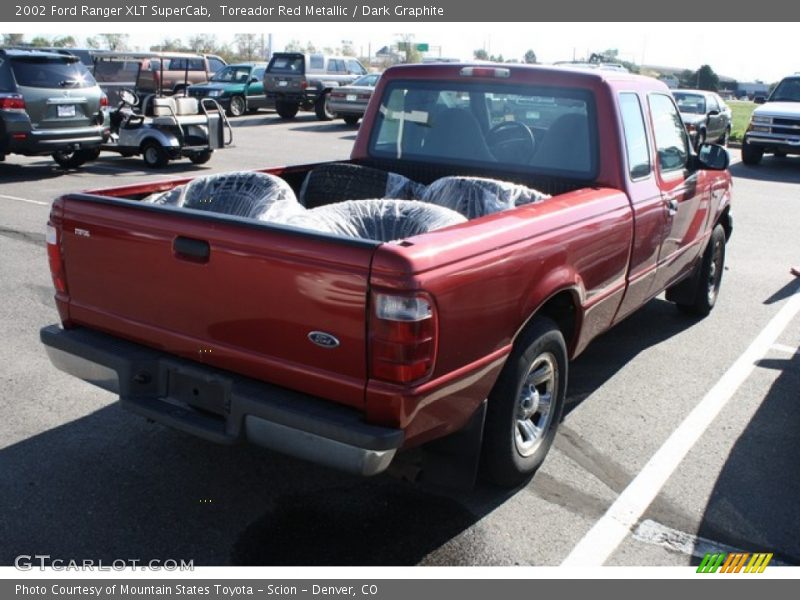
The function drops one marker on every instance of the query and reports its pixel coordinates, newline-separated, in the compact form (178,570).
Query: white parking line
(18,199)
(784,348)
(612,528)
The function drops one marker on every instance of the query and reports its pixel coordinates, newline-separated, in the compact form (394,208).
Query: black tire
(335,182)
(723,141)
(323,109)
(238,106)
(779,154)
(709,278)
(508,459)
(351,119)
(75,158)
(154,155)
(201,158)
(286,109)
(750,154)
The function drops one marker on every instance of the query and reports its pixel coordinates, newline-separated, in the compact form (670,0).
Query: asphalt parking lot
(83,479)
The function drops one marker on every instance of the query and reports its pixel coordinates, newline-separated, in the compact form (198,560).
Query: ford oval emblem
(325,340)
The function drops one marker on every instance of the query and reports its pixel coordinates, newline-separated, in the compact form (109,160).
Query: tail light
(12,102)
(103,101)
(303,84)
(55,257)
(403,334)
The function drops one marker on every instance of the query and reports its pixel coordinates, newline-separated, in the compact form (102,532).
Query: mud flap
(453,461)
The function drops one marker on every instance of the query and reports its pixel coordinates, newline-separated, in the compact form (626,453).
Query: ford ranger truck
(774,128)
(345,349)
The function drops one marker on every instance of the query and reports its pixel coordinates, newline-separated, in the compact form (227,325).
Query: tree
(530,57)
(169,45)
(687,78)
(115,41)
(707,79)
(407,45)
(480,54)
(65,41)
(92,42)
(40,41)
(204,43)
(13,39)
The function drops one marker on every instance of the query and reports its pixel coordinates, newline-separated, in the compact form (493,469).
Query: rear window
(543,129)
(51,73)
(690,103)
(286,64)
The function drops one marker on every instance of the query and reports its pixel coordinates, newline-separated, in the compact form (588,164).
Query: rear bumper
(221,406)
(22,139)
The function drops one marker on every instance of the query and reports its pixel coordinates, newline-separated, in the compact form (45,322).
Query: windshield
(232,75)
(51,73)
(788,90)
(485,124)
(690,103)
(367,80)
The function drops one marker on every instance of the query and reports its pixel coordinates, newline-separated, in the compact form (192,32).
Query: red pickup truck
(529,210)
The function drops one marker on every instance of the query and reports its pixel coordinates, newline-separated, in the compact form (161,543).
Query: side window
(214,64)
(635,136)
(353,66)
(671,145)
(316,62)
(258,73)
(711,103)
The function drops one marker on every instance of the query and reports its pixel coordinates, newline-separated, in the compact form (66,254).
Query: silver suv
(49,104)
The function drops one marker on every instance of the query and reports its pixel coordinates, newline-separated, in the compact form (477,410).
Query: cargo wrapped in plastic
(376,219)
(244,194)
(335,182)
(476,196)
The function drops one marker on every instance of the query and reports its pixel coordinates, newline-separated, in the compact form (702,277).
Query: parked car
(152,72)
(294,80)
(775,126)
(705,115)
(238,88)
(49,104)
(350,101)
(429,293)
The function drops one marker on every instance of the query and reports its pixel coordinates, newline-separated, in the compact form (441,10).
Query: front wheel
(351,119)
(72,159)
(750,154)
(238,106)
(154,155)
(723,141)
(525,405)
(709,278)
(323,108)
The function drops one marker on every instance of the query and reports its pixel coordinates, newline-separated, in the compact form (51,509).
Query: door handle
(672,206)
(191,249)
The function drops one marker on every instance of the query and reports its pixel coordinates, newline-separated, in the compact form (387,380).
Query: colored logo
(734,562)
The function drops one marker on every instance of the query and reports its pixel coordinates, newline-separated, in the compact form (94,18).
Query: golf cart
(161,127)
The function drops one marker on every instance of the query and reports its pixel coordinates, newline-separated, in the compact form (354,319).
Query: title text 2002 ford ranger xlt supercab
(431,291)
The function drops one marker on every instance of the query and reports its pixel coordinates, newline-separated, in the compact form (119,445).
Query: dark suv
(294,80)
(49,104)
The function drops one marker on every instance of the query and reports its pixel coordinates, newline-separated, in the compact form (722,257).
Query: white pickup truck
(775,126)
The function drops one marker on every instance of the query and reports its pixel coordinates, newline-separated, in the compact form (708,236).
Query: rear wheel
(238,106)
(74,158)
(201,158)
(700,139)
(709,278)
(154,155)
(750,154)
(351,119)
(525,405)
(286,109)
(323,108)
(723,141)
(780,154)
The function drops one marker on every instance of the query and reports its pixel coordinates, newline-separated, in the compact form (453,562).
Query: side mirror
(713,157)
(254,80)
(759,99)
(713,113)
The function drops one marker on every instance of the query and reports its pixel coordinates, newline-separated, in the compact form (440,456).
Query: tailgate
(285,74)
(232,293)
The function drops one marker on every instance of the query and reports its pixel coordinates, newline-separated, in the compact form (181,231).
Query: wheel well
(561,309)
(726,222)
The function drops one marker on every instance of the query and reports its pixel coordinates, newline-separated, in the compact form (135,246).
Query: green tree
(707,79)
(480,54)
(13,39)
(530,57)
(65,41)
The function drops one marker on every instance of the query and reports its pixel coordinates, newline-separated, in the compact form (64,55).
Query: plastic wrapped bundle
(335,182)
(475,196)
(244,194)
(377,219)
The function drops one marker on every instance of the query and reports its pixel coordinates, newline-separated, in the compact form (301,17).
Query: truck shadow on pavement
(771,168)
(753,506)
(109,485)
